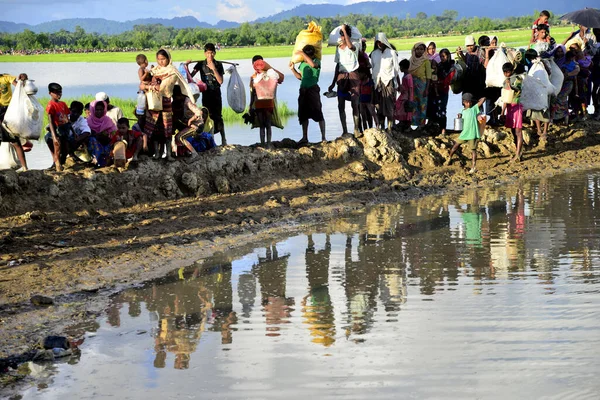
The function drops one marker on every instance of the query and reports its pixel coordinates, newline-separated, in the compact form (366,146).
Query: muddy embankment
(79,235)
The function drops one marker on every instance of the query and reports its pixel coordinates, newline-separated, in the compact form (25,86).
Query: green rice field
(512,38)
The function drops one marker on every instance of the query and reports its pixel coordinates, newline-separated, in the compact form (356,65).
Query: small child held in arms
(59,125)
(143,72)
(470,133)
(81,130)
(513,112)
(134,139)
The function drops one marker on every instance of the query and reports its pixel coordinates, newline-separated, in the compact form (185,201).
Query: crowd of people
(383,91)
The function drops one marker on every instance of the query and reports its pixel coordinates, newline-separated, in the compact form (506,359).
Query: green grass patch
(512,37)
(232,117)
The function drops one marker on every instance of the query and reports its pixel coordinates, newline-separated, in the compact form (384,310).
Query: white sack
(556,76)
(8,157)
(536,88)
(25,115)
(355,35)
(494,77)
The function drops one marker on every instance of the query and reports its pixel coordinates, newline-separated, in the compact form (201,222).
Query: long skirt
(99,151)
(560,108)
(420,100)
(384,99)
(167,118)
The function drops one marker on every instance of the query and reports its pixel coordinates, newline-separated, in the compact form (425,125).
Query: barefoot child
(470,133)
(513,112)
(405,103)
(264,83)
(60,127)
(143,72)
(134,139)
(189,118)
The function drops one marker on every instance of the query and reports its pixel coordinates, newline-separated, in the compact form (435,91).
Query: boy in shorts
(470,133)
(59,125)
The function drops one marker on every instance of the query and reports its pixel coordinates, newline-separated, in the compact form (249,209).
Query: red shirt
(58,111)
(129,138)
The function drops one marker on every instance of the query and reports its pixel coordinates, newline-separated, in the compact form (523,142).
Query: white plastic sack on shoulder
(494,77)
(236,92)
(355,35)
(25,115)
(556,76)
(536,88)
(8,157)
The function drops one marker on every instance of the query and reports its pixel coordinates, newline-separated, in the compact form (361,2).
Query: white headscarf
(385,63)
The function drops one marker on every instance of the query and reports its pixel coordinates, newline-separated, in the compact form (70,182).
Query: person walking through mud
(211,73)
(347,78)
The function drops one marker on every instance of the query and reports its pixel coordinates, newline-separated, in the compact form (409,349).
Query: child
(366,108)
(405,103)
(514,110)
(143,72)
(188,117)
(102,129)
(470,133)
(133,139)
(59,125)
(86,110)
(542,20)
(309,100)
(203,139)
(80,131)
(264,82)
(544,42)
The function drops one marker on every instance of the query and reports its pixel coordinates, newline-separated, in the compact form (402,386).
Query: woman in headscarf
(384,60)
(438,94)
(432,54)
(420,69)
(560,108)
(164,78)
(102,128)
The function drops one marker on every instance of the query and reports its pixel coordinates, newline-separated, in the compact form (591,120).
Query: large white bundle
(494,76)
(236,92)
(25,115)
(8,157)
(556,76)
(536,88)
(355,36)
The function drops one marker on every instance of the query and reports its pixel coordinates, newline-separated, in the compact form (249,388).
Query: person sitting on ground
(6,82)
(102,127)
(113,112)
(86,110)
(203,139)
(134,139)
(513,112)
(264,82)
(188,118)
(60,127)
(80,128)
(470,133)
(347,78)
(309,99)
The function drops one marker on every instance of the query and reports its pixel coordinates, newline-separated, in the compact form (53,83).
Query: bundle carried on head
(313,36)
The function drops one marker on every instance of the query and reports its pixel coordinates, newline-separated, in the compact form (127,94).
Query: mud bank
(80,235)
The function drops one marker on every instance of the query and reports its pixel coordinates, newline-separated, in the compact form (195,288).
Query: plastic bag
(355,36)
(494,77)
(311,35)
(140,107)
(556,76)
(536,88)
(25,115)
(154,100)
(8,157)
(236,93)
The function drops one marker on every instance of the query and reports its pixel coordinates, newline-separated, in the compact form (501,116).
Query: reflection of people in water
(361,285)
(317,308)
(247,293)
(515,245)
(219,281)
(271,271)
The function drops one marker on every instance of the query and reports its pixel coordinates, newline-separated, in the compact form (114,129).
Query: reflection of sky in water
(403,299)
(120,80)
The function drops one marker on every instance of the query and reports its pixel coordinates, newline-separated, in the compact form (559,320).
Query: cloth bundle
(311,35)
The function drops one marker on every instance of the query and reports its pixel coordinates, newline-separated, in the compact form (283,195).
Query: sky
(37,11)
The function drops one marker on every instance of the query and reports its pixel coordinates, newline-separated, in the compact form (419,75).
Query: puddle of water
(487,294)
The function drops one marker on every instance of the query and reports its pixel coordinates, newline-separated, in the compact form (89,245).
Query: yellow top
(423,71)
(6,89)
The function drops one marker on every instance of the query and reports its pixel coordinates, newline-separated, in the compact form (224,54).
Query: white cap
(101,96)
(469,41)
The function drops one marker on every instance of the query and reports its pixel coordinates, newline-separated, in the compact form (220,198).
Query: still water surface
(492,293)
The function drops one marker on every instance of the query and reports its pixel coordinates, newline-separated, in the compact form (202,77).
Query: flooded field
(491,293)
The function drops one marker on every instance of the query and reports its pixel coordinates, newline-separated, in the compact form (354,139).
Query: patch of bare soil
(80,235)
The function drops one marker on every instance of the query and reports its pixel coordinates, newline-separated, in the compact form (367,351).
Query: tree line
(266,33)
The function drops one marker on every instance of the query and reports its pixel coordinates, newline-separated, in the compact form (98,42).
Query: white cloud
(178,11)
(235,10)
